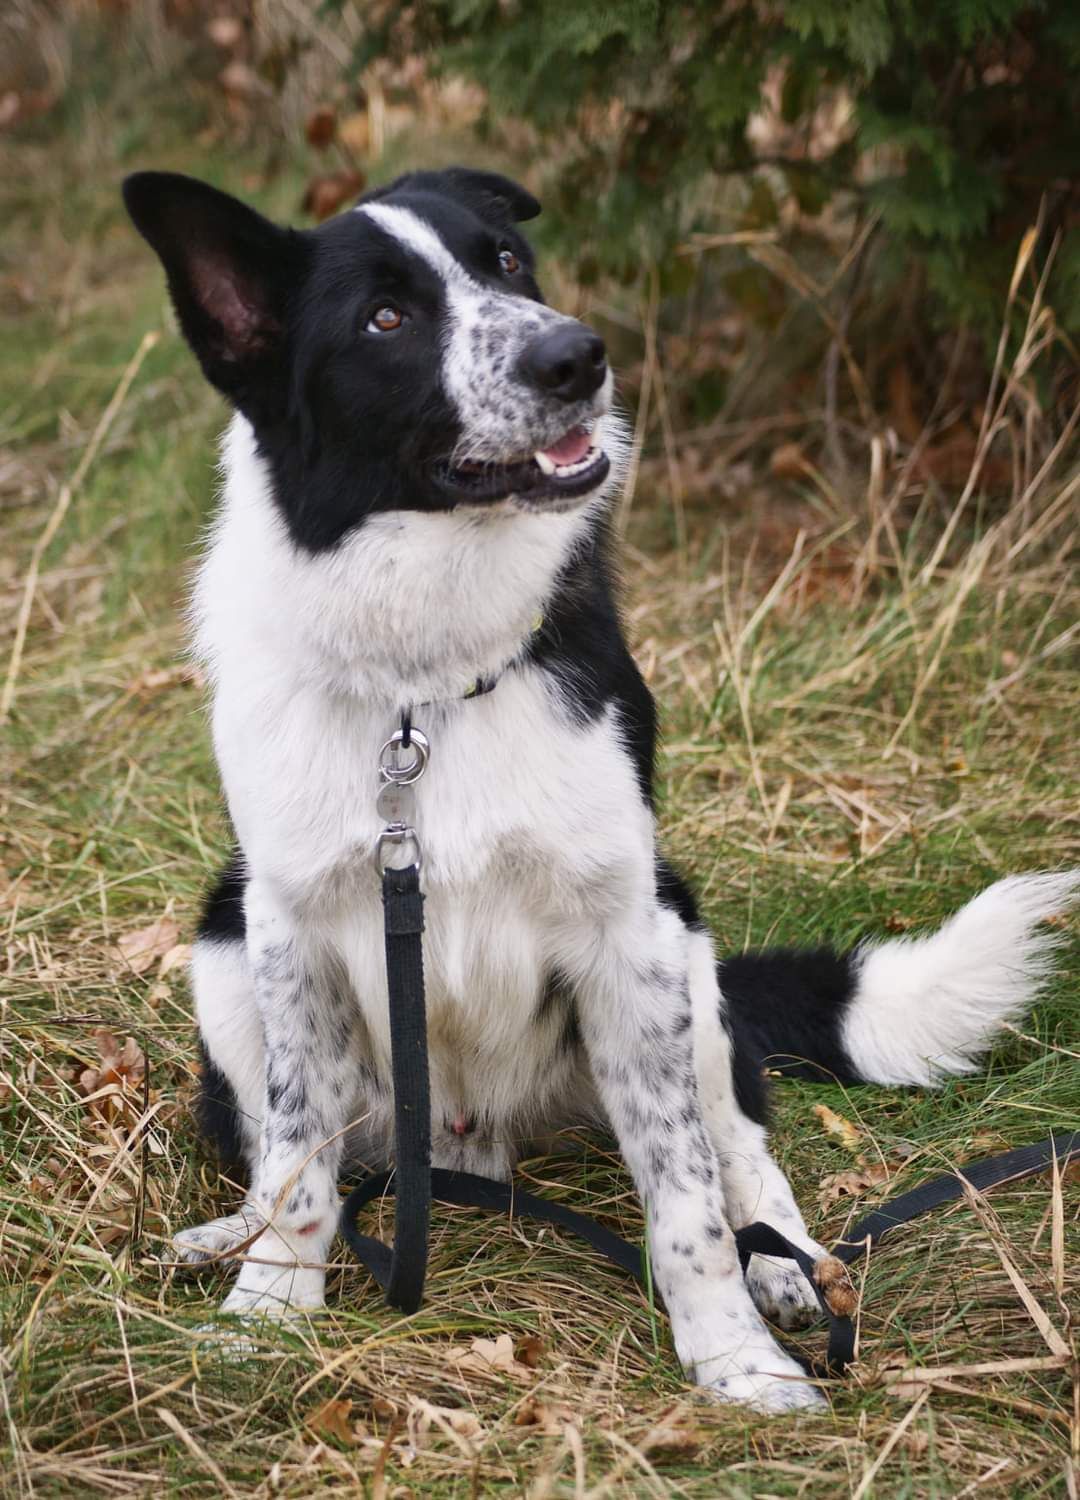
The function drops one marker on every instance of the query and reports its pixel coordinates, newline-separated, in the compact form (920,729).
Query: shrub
(951,125)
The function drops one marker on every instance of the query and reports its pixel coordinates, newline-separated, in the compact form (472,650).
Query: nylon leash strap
(401,1269)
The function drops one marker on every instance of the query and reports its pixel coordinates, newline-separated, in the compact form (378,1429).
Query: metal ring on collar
(397,834)
(404,775)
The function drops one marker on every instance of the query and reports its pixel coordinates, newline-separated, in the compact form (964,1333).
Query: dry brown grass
(864,724)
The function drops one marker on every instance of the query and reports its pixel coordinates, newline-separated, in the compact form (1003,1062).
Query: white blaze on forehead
(486,327)
(418,236)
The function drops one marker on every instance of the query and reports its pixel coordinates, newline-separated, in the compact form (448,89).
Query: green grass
(783,794)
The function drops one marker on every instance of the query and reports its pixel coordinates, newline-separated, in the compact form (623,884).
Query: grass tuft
(871,711)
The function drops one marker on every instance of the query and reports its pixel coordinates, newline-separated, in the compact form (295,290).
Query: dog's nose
(570,362)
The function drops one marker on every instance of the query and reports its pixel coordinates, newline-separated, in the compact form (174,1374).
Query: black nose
(570,362)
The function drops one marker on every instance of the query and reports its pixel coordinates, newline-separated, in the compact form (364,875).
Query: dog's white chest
(529,825)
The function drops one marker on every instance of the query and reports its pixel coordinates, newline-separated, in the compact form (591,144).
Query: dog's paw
(781,1292)
(769,1394)
(203,1244)
(766,1379)
(278,1293)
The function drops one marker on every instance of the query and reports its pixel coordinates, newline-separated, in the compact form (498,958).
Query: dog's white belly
(502,1054)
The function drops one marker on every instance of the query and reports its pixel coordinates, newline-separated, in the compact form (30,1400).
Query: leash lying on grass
(403,1266)
(400,1269)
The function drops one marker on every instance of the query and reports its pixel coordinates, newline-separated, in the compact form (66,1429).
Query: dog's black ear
(230,272)
(494,197)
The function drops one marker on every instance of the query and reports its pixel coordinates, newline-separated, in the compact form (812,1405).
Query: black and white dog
(418,482)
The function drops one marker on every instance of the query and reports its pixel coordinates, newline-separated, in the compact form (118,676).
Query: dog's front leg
(636,1024)
(306,1024)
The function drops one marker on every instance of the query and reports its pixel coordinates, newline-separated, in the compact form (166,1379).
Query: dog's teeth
(544,463)
(567,471)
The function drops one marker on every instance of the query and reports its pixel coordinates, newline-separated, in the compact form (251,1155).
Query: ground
(855,742)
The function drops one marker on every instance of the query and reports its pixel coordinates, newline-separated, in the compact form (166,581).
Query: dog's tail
(908,1010)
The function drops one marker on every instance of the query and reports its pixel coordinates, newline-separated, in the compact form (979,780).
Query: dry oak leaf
(849,1135)
(114,1087)
(489,1357)
(549,1416)
(321,126)
(678,1433)
(333,1419)
(224,31)
(154,679)
(178,957)
(788,461)
(326,194)
(528,1350)
(423,1416)
(354,132)
(242,82)
(141,949)
(856,1180)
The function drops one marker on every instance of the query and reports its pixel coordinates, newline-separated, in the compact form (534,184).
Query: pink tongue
(571,448)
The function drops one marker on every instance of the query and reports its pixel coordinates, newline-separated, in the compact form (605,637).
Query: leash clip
(396,834)
(396,802)
(390,767)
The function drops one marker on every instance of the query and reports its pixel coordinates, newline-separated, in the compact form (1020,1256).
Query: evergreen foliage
(959,118)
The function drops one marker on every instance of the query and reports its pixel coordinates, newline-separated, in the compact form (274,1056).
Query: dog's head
(400,356)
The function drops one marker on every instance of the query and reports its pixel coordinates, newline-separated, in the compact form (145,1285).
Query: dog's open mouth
(568,469)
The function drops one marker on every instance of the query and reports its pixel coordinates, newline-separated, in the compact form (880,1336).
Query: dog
(419,479)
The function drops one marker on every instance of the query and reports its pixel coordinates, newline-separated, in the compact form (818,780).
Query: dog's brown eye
(386,319)
(509,262)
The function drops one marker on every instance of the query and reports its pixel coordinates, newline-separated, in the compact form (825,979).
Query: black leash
(400,1270)
(465,1190)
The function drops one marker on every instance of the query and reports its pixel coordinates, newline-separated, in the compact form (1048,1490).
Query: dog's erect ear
(493,197)
(230,272)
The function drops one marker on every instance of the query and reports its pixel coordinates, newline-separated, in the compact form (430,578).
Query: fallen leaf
(154,679)
(354,132)
(333,1419)
(850,1135)
(325,194)
(852,1182)
(423,1416)
(224,31)
(489,1357)
(177,957)
(141,949)
(549,1416)
(321,126)
(113,1090)
(528,1350)
(788,462)
(678,1434)
(898,922)
(241,81)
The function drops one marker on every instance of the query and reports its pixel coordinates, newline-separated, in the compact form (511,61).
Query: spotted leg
(635,1016)
(307,1028)
(754,1186)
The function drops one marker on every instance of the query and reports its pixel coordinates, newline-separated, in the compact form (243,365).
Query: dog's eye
(386,319)
(509,262)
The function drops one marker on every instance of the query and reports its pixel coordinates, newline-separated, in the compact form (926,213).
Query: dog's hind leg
(754,1186)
